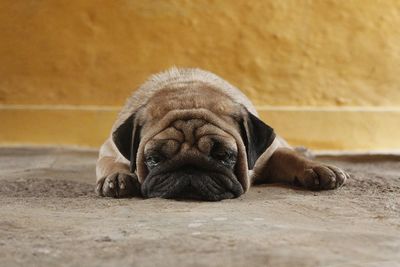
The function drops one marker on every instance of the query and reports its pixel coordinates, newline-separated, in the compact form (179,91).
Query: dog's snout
(189,169)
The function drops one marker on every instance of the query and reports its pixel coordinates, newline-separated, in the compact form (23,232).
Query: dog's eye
(153,160)
(225,157)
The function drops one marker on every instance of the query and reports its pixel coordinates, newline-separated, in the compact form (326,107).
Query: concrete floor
(49,216)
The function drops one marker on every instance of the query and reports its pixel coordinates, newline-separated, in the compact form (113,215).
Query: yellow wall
(324,73)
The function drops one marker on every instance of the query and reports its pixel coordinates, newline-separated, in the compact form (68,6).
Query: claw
(98,188)
(117,185)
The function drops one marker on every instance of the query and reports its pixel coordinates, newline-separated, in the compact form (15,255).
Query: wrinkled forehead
(196,135)
(192,95)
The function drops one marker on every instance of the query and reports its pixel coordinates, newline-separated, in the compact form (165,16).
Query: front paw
(318,176)
(118,185)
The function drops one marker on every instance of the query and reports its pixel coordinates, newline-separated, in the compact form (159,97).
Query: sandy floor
(49,216)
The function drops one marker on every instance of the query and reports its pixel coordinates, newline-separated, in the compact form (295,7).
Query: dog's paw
(118,185)
(318,176)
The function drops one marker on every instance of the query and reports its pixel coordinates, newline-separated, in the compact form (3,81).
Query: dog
(187,133)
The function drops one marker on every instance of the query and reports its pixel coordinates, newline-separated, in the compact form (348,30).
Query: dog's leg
(286,166)
(113,176)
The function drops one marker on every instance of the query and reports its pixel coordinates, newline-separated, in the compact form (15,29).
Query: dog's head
(199,147)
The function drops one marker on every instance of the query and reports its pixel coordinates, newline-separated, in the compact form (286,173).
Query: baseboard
(350,128)
(326,128)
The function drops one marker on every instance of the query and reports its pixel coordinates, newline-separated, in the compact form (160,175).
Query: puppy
(187,133)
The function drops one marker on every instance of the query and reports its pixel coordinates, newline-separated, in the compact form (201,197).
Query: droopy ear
(257,137)
(127,138)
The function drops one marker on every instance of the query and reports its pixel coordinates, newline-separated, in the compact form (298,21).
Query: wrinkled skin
(203,170)
(202,179)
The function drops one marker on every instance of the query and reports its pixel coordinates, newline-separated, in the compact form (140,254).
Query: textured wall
(308,55)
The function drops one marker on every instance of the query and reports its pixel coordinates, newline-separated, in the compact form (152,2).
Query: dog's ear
(127,138)
(257,137)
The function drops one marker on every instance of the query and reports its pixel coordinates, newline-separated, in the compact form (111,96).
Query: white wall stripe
(259,108)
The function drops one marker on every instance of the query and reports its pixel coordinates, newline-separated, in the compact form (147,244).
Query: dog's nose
(190,169)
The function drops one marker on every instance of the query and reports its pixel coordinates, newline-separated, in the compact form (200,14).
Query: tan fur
(155,127)
(161,100)
(287,166)
(178,78)
(185,107)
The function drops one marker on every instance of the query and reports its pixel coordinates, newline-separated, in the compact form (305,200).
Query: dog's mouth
(189,192)
(192,184)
